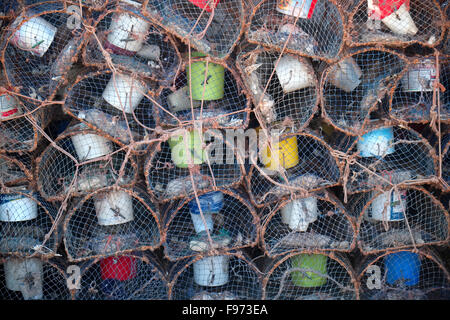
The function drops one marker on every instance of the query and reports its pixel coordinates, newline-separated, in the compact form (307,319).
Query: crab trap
(82,161)
(446,162)
(316,222)
(134,276)
(32,279)
(305,275)
(207,91)
(15,170)
(210,26)
(220,276)
(113,103)
(112,220)
(309,28)
(291,163)
(39,49)
(399,218)
(358,85)
(218,220)
(389,155)
(191,161)
(404,275)
(413,98)
(129,41)
(396,23)
(27,224)
(284,88)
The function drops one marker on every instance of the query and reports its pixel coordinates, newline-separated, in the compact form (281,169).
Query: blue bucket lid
(211,202)
(403,265)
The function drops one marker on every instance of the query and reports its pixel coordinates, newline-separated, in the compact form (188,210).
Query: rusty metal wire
(15,170)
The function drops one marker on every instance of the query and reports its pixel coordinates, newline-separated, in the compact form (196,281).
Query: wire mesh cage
(32,279)
(416,98)
(283,87)
(27,224)
(309,28)
(127,40)
(218,220)
(399,218)
(360,83)
(40,47)
(305,275)
(396,23)
(404,275)
(111,220)
(15,170)
(291,162)
(220,276)
(82,161)
(134,276)
(445,156)
(190,161)
(206,90)
(389,155)
(116,104)
(210,26)
(316,222)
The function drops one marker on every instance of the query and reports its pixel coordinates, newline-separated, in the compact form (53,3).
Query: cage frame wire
(322,195)
(285,47)
(176,269)
(62,69)
(130,9)
(389,92)
(245,70)
(272,264)
(414,244)
(54,233)
(146,257)
(427,252)
(173,208)
(445,154)
(57,263)
(191,40)
(253,171)
(138,193)
(156,148)
(74,192)
(14,160)
(399,44)
(143,141)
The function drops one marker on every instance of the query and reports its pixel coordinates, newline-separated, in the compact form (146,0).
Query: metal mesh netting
(316,222)
(181,165)
(386,156)
(122,277)
(310,276)
(413,99)
(15,170)
(102,163)
(41,46)
(404,275)
(396,23)
(356,85)
(116,104)
(25,221)
(208,91)
(309,28)
(109,221)
(210,26)
(285,88)
(399,218)
(32,279)
(301,162)
(230,222)
(222,276)
(133,44)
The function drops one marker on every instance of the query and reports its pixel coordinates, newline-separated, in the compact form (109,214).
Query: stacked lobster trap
(224,150)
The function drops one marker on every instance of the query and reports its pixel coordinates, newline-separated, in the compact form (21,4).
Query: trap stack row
(124,174)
